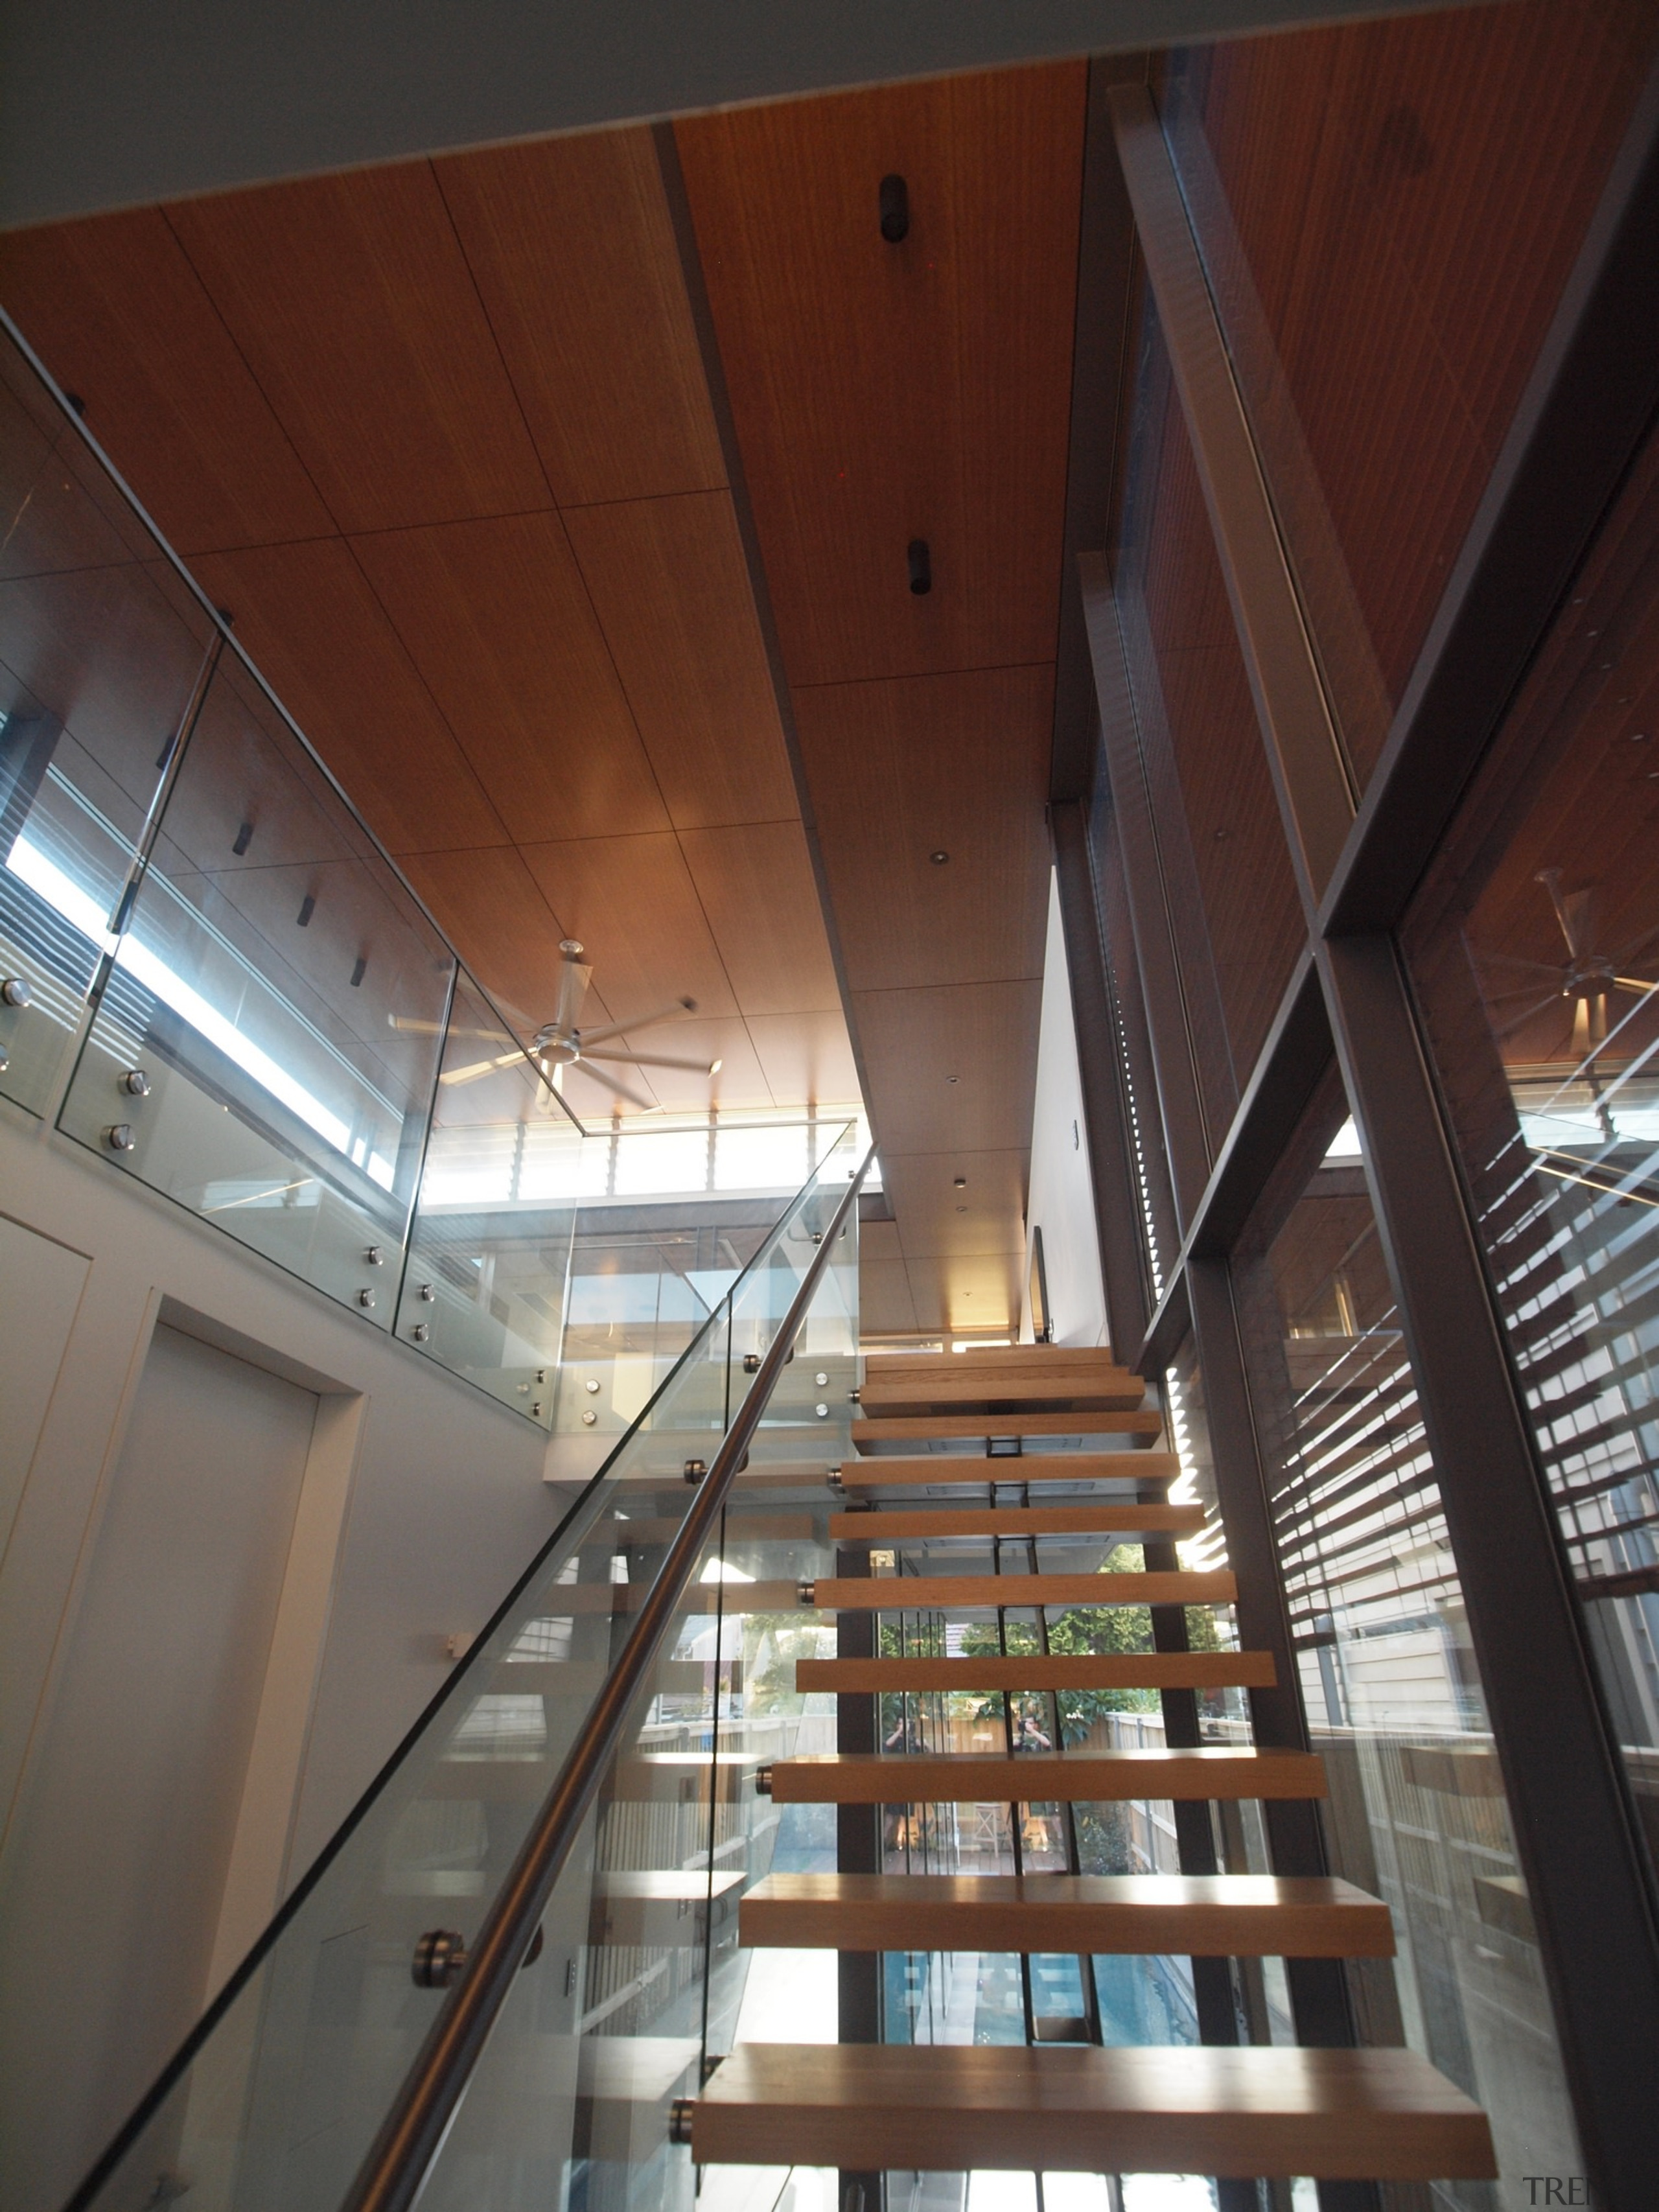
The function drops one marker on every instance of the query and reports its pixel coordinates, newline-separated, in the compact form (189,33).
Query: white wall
(1062,1200)
(419,1502)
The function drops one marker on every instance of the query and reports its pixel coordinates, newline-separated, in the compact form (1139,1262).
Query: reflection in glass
(103,649)
(1220,841)
(1534,950)
(267,1026)
(1382,348)
(1417,1813)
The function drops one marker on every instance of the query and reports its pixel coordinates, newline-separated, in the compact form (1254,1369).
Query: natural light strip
(32,867)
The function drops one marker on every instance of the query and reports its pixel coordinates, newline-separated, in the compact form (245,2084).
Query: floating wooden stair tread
(1040,1777)
(919,1428)
(1115,1390)
(918,1370)
(1248,2110)
(1199,1916)
(915,1593)
(955,1470)
(1137,1670)
(1126,1520)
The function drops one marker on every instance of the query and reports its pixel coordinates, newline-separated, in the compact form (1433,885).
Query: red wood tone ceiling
(881,394)
(439,435)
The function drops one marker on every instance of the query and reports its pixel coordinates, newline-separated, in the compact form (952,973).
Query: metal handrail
(394,2172)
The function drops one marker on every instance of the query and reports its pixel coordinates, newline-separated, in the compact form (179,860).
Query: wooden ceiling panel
(120,318)
(631,901)
(899,771)
(672,590)
(499,922)
(757,889)
(808,1058)
(352,303)
(574,252)
(495,617)
(317,634)
(936,1219)
(966,1295)
(886,1306)
(883,393)
(984,1035)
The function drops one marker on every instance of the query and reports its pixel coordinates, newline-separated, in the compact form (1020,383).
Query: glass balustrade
(635,1981)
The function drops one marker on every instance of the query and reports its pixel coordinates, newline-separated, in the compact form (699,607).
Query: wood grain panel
(884,1305)
(807,1058)
(1044,1778)
(962,1290)
(894,1593)
(956,763)
(957,1470)
(671,588)
(1122,1916)
(937,1218)
(489,905)
(757,890)
(350,299)
(495,617)
(984,1035)
(1150,1670)
(947,418)
(1125,1521)
(316,630)
(571,246)
(632,903)
(1247,2111)
(1082,1364)
(1005,1394)
(919,1429)
(118,315)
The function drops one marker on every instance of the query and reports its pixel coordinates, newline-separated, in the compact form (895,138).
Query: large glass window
(1221,851)
(1388,212)
(1535,950)
(1417,1813)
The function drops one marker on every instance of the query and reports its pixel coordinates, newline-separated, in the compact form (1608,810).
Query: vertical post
(1110,1168)
(858,1850)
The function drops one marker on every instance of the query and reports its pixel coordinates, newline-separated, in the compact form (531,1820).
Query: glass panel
(617,2006)
(1417,1813)
(1221,843)
(102,646)
(1388,212)
(1535,950)
(264,1046)
(489,1252)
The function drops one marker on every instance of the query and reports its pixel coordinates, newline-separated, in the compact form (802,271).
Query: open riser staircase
(1011,1447)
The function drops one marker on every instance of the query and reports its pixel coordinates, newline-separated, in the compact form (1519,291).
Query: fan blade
(1581,1029)
(480,1068)
(621,1029)
(1635,983)
(613,1089)
(649,1060)
(573,989)
(1572,911)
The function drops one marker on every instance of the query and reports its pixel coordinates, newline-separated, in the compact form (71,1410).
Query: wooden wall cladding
(887,392)
(1407,197)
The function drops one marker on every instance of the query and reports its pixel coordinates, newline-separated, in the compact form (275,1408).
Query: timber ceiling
(441,436)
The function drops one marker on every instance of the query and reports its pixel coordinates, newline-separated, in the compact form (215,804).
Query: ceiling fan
(1588,977)
(559,1047)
